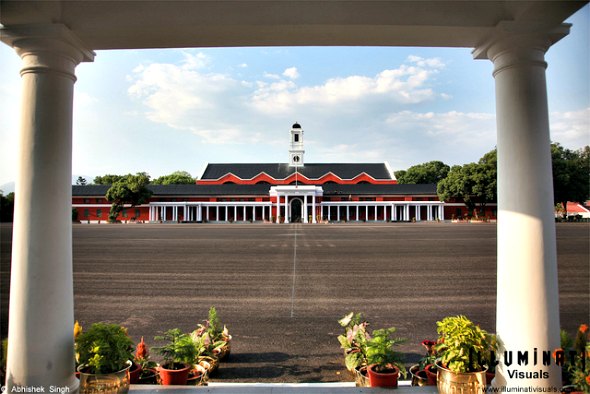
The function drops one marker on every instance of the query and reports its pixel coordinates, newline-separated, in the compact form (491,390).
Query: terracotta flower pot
(383,379)
(148,376)
(134,373)
(418,376)
(174,377)
(431,374)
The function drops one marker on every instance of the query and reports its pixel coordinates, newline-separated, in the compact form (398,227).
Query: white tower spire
(296,150)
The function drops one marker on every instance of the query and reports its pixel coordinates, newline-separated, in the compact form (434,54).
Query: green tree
(176,178)
(6,207)
(107,179)
(81,181)
(431,172)
(474,183)
(571,175)
(130,189)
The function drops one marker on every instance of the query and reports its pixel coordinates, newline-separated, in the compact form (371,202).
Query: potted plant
(490,358)
(147,372)
(353,342)
(424,373)
(179,353)
(104,353)
(218,334)
(385,365)
(577,365)
(462,347)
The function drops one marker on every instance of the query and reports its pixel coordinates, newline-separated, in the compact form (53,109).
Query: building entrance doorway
(296,213)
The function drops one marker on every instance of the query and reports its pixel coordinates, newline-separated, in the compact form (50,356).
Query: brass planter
(361,377)
(110,383)
(460,383)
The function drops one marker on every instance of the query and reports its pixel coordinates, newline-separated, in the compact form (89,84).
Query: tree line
(476,183)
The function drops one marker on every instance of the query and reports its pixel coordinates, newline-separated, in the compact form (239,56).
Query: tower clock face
(296,159)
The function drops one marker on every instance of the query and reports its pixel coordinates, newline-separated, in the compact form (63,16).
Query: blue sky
(165,110)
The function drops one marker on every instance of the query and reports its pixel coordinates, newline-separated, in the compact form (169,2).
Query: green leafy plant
(462,345)
(213,326)
(179,350)
(354,340)
(211,337)
(104,348)
(3,360)
(577,358)
(380,350)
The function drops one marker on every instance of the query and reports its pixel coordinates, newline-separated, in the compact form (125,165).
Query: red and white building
(295,191)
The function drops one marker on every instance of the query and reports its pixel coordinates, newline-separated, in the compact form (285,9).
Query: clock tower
(296,150)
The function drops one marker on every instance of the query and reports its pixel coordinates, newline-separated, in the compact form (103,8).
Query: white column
(41,317)
(338,213)
(263,213)
(357,213)
(366,213)
(244,216)
(313,209)
(199,213)
(348,213)
(305,219)
(527,314)
(278,207)
(286,208)
(329,212)
(207,209)
(418,209)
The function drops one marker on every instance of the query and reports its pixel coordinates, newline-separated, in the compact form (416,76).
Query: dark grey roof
(89,190)
(283,170)
(233,189)
(180,190)
(370,189)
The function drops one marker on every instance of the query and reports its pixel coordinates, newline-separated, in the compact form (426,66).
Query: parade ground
(280,289)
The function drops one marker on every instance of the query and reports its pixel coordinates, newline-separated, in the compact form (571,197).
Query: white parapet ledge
(278,388)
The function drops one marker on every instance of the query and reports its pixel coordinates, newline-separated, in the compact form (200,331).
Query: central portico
(289,197)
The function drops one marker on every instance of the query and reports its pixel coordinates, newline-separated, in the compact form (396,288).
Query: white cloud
(184,97)
(291,73)
(454,130)
(407,84)
(571,129)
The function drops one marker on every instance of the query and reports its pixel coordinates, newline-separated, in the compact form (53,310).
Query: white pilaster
(286,208)
(313,209)
(40,340)
(527,291)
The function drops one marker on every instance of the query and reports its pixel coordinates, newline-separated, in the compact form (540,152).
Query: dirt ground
(282,288)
